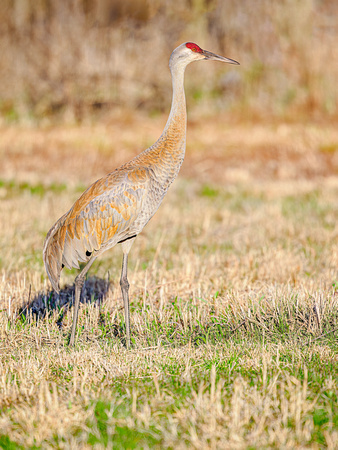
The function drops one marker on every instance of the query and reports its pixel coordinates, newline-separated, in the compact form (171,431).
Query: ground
(234,292)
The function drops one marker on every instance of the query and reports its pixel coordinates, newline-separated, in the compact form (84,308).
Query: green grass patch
(120,437)
(7,444)
(14,188)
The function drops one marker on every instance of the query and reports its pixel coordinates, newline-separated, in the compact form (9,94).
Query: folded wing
(106,213)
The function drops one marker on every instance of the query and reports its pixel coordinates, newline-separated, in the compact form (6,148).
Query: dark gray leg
(79,282)
(125,294)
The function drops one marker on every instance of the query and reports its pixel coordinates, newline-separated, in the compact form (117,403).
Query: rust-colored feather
(109,211)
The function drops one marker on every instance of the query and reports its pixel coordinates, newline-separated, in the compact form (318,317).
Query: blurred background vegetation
(79,59)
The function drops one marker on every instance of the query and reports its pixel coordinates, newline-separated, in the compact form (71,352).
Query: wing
(105,214)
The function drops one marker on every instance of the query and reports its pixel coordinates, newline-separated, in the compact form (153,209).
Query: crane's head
(189,52)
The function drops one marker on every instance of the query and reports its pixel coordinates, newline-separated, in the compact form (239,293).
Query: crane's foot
(128,342)
(79,282)
(72,340)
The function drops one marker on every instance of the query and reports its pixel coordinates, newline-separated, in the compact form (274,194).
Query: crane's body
(116,207)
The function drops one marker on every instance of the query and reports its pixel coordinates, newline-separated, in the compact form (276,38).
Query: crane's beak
(209,55)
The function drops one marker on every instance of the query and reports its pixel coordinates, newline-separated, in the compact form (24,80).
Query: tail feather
(52,256)
(60,250)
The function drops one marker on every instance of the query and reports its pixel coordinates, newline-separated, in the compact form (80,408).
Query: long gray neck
(169,150)
(178,109)
(165,157)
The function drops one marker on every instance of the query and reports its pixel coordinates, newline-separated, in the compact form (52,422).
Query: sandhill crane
(115,208)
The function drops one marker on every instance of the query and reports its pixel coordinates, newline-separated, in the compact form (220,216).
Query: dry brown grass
(233,293)
(76,58)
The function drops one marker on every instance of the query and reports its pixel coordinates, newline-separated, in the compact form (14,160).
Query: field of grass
(234,293)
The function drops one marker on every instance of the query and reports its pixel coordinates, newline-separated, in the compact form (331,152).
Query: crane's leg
(125,294)
(126,246)
(79,282)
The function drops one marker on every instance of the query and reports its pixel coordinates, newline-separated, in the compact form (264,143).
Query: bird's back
(111,210)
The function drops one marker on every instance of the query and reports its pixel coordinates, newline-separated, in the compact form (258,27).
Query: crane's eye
(193,47)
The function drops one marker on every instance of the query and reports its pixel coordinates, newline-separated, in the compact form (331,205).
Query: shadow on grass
(95,290)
